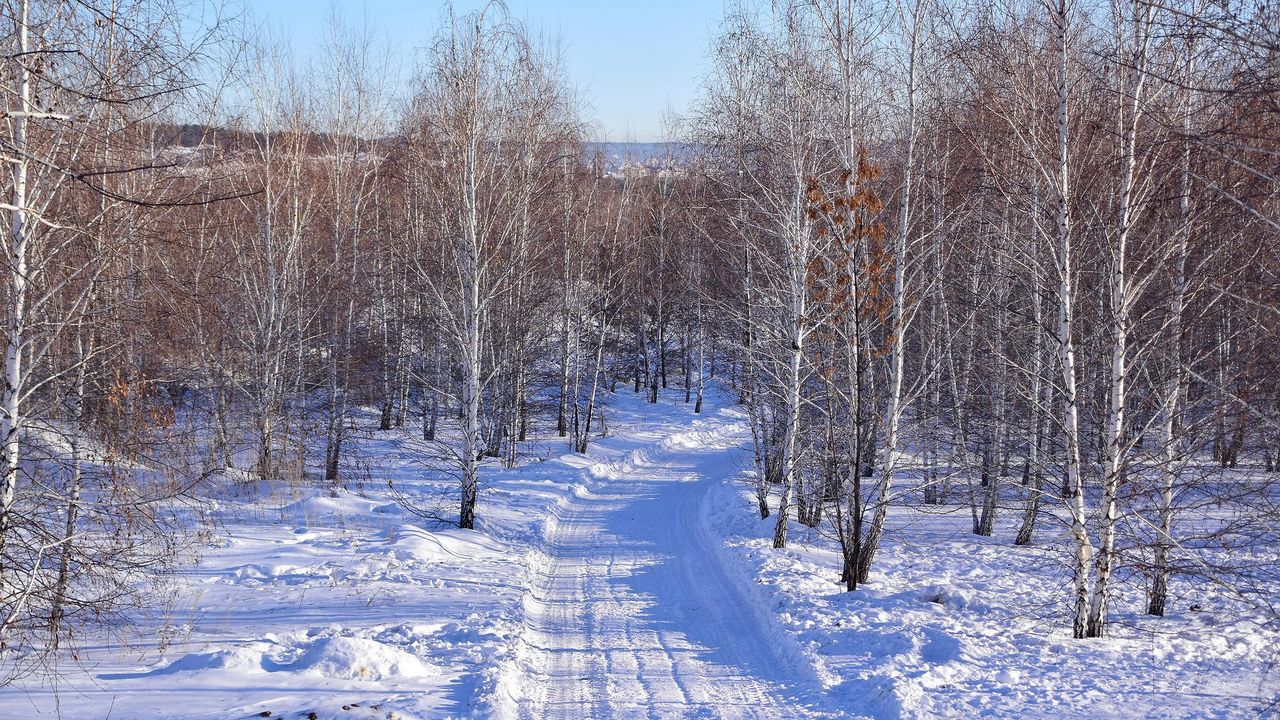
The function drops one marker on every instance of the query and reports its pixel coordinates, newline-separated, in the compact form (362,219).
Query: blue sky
(632,59)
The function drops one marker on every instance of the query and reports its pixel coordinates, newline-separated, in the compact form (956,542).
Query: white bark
(898,329)
(1035,473)
(1171,404)
(799,247)
(1083,555)
(15,327)
(1133,83)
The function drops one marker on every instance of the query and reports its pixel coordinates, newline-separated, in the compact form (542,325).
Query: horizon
(634,65)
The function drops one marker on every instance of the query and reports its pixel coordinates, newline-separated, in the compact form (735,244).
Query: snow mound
(950,596)
(325,508)
(283,573)
(236,485)
(240,659)
(350,658)
(411,543)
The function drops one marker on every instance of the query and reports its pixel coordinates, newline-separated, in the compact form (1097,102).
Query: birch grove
(1056,343)
(1013,261)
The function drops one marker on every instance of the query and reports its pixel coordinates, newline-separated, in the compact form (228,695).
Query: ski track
(632,614)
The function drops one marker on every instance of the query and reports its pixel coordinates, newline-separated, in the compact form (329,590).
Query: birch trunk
(897,346)
(1035,475)
(797,262)
(1083,555)
(1116,447)
(67,548)
(19,235)
(469,262)
(1171,405)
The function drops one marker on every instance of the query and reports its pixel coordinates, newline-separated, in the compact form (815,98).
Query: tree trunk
(10,396)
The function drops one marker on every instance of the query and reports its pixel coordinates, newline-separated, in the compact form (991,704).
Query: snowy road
(631,582)
(633,615)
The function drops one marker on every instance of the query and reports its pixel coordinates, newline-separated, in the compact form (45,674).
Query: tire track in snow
(632,614)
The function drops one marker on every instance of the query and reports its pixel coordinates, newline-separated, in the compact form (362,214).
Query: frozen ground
(631,612)
(634,582)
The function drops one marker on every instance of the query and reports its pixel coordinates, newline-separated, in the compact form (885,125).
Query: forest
(1012,261)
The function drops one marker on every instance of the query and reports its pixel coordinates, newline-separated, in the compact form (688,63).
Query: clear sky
(632,59)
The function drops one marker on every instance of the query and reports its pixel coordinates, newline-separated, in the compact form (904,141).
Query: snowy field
(633,582)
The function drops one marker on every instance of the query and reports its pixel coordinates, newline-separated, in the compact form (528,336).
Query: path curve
(633,614)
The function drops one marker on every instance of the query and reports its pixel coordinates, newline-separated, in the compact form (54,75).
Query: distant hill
(653,155)
(616,155)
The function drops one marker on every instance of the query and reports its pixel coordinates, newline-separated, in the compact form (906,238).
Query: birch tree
(488,98)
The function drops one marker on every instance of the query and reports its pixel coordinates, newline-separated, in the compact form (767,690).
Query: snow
(631,612)
(953,625)
(635,581)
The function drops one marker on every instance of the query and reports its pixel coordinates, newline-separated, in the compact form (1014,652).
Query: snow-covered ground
(633,582)
(632,612)
(953,625)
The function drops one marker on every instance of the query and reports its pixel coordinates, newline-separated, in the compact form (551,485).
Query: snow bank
(233,660)
(352,658)
(414,544)
(956,626)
